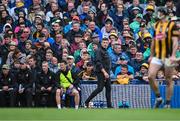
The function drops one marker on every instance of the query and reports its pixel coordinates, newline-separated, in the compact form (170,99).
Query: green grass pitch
(49,114)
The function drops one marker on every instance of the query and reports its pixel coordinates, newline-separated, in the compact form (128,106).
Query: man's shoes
(158,102)
(167,106)
(86,105)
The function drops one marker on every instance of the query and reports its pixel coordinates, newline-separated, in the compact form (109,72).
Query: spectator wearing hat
(146,44)
(107,27)
(12,46)
(76,42)
(128,38)
(71,64)
(102,15)
(75,30)
(19,5)
(8,88)
(134,9)
(92,50)
(88,73)
(149,16)
(75,19)
(113,37)
(92,14)
(25,83)
(142,75)
(81,45)
(135,25)
(87,36)
(118,16)
(84,58)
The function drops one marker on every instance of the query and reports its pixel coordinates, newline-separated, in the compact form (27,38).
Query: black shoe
(158,102)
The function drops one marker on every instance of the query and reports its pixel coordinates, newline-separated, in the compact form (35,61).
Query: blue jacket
(118,70)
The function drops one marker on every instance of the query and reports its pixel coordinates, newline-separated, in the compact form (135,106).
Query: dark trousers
(45,98)
(101,83)
(8,98)
(26,98)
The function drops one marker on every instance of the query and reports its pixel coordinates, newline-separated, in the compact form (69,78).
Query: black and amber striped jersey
(164,31)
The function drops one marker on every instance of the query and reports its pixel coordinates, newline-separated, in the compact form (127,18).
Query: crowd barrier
(136,96)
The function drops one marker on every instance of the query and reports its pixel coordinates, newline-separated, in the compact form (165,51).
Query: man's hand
(43,88)
(5,88)
(106,75)
(71,86)
(150,59)
(49,89)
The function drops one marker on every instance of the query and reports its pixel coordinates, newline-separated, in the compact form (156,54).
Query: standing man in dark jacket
(103,66)
(8,87)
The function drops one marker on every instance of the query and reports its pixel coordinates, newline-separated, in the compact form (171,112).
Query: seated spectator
(142,75)
(109,23)
(115,55)
(135,25)
(88,73)
(46,86)
(54,65)
(85,57)
(69,83)
(25,84)
(75,45)
(160,77)
(124,76)
(123,62)
(137,62)
(82,45)
(8,88)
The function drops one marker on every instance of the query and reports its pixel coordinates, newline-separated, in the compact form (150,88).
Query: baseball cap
(145,65)
(5,66)
(76,18)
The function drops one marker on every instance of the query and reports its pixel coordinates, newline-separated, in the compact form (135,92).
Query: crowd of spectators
(37,37)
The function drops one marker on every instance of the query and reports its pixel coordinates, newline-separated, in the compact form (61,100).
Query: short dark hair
(124,66)
(63,61)
(105,39)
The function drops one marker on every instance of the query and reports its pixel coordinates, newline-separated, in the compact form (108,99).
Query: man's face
(135,2)
(105,43)
(5,71)
(31,62)
(133,50)
(56,27)
(7,40)
(70,61)
(139,56)
(23,66)
(103,7)
(76,27)
(117,49)
(92,26)
(124,70)
(45,67)
(63,66)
